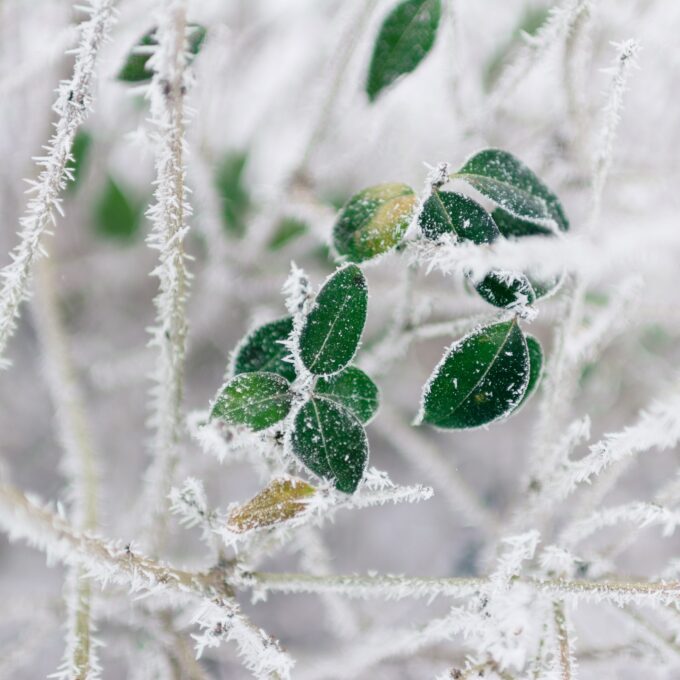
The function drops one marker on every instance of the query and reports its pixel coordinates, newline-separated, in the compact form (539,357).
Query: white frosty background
(265,70)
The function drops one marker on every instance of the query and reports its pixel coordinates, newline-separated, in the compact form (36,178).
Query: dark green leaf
(405,38)
(288,229)
(374,221)
(480,379)
(510,184)
(257,400)
(514,289)
(513,227)
(263,350)
(354,390)
(506,289)
(332,330)
(135,68)
(116,216)
(535,369)
(331,442)
(446,212)
(233,192)
(80,151)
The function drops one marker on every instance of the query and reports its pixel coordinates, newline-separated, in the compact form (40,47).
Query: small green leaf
(135,68)
(263,350)
(535,369)
(479,380)
(233,193)
(331,332)
(116,216)
(354,390)
(331,442)
(506,289)
(513,187)
(405,38)
(374,221)
(80,152)
(446,212)
(288,229)
(281,500)
(257,400)
(513,227)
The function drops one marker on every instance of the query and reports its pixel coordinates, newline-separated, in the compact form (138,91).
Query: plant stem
(79,460)
(564,649)
(169,229)
(73,103)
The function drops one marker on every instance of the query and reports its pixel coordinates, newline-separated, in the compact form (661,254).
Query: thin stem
(74,101)
(79,462)
(169,215)
(564,648)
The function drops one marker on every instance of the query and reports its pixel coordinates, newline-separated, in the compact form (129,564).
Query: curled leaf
(281,500)
(513,187)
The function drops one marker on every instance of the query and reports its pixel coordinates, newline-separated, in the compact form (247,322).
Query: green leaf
(116,216)
(480,379)
(405,38)
(331,442)
(257,400)
(354,390)
(535,369)
(80,152)
(288,229)
(374,221)
(331,332)
(513,227)
(506,289)
(446,212)
(513,187)
(233,193)
(135,69)
(263,350)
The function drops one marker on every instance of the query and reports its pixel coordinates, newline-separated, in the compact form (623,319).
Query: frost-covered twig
(106,562)
(425,457)
(79,463)
(372,649)
(559,25)
(564,647)
(640,514)
(169,215)
(399,587)
(73,104)
(626,59)
(657,427)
